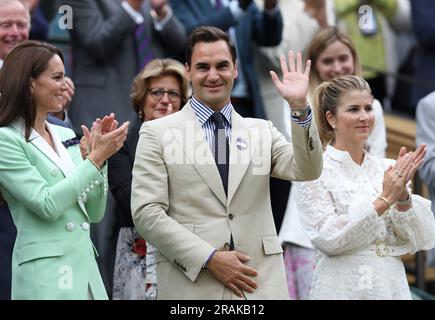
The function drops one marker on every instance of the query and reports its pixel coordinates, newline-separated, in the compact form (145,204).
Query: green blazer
(53,198)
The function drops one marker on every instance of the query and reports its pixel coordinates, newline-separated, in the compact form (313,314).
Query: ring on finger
(399,174)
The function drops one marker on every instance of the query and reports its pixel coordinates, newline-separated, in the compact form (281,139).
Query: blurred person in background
(425,117)
(160,89)
(424,62)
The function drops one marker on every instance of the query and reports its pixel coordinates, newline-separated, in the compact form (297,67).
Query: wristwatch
(406,202)
(300,113)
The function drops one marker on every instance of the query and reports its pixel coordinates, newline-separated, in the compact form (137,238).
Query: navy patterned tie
(143,46)
(221,148)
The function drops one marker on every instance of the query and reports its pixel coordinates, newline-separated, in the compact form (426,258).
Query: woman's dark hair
(24,63)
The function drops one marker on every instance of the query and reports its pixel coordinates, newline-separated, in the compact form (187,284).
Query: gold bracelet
(94,163)
(389,204)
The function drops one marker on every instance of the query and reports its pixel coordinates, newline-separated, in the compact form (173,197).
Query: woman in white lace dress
(332,54)
(359,214)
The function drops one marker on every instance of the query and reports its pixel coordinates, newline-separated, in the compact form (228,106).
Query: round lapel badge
(241,144)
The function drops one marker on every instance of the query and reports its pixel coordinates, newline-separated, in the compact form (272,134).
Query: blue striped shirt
(304,123)
(203,113)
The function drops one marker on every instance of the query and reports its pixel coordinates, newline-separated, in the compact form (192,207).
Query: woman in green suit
(53,194)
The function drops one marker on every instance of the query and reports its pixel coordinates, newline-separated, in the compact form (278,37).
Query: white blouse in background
(291,230)
(339,217)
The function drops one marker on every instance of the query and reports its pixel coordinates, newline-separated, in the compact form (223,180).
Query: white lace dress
(339,218)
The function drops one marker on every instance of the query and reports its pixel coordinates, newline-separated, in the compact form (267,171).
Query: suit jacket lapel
(242,146)
(198,152)
(62,159)
(64,162)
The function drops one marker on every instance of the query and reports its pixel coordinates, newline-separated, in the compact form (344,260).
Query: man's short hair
(208,34)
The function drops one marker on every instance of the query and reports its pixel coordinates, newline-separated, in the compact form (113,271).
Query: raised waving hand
(294,84)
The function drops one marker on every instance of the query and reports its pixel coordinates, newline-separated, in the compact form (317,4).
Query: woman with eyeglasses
(158,90)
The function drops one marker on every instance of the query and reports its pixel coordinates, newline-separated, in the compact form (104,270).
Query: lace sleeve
(417,225)
(335,234)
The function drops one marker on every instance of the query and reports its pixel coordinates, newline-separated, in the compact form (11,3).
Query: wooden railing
(401,132)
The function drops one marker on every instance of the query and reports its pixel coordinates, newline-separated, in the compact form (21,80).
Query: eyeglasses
(157,94)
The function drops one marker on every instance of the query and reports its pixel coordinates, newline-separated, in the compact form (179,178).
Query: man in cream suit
(208,211)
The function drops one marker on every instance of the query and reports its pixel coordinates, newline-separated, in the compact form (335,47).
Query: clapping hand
(294,85)
(417,160)
(103,146)
(108,124)
(396,177)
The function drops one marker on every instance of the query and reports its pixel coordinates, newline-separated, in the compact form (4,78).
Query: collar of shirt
(344,157)
(203,113)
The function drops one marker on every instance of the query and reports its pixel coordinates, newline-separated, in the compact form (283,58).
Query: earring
(140,113)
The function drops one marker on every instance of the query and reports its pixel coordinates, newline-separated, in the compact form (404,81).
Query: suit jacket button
(231,216)
(53,172)
(70,226)
(85,226)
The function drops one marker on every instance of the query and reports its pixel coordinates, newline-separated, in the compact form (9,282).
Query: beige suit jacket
(179,204)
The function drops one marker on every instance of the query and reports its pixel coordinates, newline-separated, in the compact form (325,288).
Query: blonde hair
(320,42)
(327,97)
(154,69)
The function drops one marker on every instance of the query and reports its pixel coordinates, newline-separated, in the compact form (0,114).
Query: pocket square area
(70,142)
